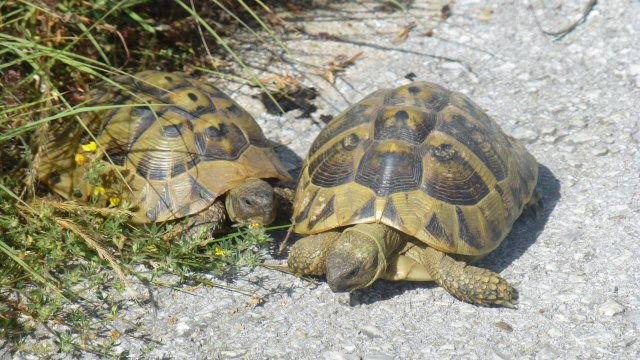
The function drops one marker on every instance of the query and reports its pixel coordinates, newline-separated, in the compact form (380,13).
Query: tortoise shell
(168,143)
(421,159)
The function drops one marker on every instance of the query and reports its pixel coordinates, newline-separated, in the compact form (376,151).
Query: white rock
(610,308)
(230,354)
(600,151)
(548,130)
(377,356)
(579,138)
(335,355)
(577,124)
(182,328)
(371,331)
(525,134)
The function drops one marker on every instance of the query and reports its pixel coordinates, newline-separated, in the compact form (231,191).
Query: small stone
(377,356)
(634,70)
(577,124)
(336,355)
(349,348)
(548,130)
(232,354)
(467,308)
(597,338)
(579,138)
(555,333)
(447,347)
(610,308)
(558,108)
(525,134)
(504,326)
(182,329)
(371,331)
(600,151)
(567,148)
(498,355)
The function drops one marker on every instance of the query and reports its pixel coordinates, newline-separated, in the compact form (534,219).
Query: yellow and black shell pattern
(166,142)
(422,159)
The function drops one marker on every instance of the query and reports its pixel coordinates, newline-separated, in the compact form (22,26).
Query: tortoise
(411,183)
(170,145)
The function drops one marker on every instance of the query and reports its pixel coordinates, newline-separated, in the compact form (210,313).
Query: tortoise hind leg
(468,283)
(535,205)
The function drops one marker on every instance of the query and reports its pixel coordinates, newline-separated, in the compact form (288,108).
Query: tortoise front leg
(283,201)
(468,283)
(214,218)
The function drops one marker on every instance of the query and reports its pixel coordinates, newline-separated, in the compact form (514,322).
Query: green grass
(55,255)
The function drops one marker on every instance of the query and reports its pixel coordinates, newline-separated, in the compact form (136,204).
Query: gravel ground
(575,102)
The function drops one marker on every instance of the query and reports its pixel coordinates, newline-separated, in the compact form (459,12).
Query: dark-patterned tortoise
(403,182)
(169,144)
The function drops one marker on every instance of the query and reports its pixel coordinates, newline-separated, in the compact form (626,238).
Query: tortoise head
(251,202)
(353,262)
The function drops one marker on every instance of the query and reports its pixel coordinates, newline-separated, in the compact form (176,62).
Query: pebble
(377,356)
(577,124)
(525,134)
(336,355)
(580,138)
(447,347)
(548,130)
(371,331)
(231,354)
(182,329)
(555,333)
(349,348)
(498,355)
(610,308)
(600,151)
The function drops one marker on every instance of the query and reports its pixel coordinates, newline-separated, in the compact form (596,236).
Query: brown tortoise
(170,145)
(411,184)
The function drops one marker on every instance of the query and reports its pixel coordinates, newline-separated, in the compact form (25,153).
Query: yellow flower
(255,225)
(91,146)
(99,191)
(114,201)
(79,159)
(219,252)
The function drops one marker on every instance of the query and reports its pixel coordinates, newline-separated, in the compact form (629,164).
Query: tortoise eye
(353,273)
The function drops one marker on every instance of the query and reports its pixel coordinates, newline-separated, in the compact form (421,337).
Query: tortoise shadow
(524,233)
(527,228)
(291,161)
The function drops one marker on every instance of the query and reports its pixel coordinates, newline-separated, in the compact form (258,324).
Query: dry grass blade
(340,63)
(404,33)
(72,207)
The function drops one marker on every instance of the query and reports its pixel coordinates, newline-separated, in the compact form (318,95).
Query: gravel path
(575,101)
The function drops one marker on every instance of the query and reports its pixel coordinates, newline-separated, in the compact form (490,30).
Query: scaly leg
(468,283)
